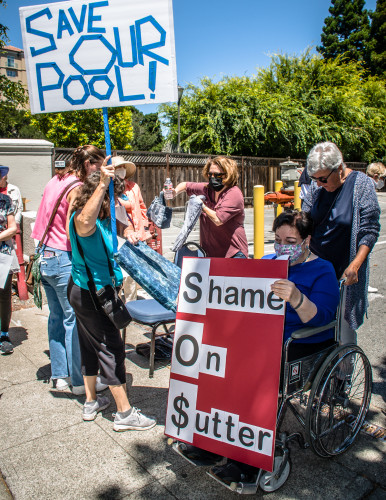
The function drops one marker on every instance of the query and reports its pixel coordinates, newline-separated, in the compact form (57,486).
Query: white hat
(119,161)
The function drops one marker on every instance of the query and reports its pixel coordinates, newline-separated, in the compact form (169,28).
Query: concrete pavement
(48,452)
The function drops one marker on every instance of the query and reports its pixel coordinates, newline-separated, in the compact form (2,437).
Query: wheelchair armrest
(304,333)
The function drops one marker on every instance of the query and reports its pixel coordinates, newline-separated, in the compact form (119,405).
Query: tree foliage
(377,43)
(147,134)
(72,128)
(346,30)
(288,107)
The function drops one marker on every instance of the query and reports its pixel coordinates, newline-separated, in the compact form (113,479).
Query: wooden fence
(154,168)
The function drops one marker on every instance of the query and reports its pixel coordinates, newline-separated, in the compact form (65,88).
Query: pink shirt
(229,238)
(56,236)
(135,208)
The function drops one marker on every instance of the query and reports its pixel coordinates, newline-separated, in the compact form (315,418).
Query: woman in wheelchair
(312,296)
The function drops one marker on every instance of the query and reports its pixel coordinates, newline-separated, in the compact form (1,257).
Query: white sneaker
(61,384)
(79,390)
(371,289)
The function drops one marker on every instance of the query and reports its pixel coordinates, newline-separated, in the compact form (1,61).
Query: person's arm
(351,272)
(18,206)
(287,291)
(212,215)
(180,188)
(11,228)
(85,219)
(368,233)
(71,197)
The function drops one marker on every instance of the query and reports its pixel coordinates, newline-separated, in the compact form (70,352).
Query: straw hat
(119,161)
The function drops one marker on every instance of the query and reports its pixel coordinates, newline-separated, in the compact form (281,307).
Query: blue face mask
(294,251)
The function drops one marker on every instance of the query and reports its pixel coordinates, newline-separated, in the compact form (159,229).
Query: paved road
(48,452)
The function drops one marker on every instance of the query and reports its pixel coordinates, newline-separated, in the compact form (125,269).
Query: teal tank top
(95,256)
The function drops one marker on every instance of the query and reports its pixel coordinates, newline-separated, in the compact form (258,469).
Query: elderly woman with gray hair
(345,210)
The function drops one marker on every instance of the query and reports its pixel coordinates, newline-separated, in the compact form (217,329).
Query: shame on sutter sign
(225,369)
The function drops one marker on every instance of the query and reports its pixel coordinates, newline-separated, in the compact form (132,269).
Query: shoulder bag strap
(40,244)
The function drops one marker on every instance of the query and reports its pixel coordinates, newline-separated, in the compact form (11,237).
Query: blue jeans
(62,332)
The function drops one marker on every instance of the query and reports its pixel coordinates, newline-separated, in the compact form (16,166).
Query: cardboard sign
(94,54)
(225,371)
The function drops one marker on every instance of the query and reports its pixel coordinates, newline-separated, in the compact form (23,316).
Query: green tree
(12,94)
(377,44)
(147,134)
(284,110)
(346,31)
(72,128)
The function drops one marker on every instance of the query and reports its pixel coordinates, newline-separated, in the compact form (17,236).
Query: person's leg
(6,346)
(49,268)
(130,289)
(72,348)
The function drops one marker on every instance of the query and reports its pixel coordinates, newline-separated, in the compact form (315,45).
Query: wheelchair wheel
(268,481)
(339,400)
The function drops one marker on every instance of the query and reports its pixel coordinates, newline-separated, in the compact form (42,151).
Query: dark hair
(227,165)
(81,155)
(87,189)
(301,220)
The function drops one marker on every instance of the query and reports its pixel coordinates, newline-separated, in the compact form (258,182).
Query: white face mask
(380,184)
(120,172)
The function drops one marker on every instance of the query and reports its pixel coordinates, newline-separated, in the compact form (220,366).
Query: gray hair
(324,156)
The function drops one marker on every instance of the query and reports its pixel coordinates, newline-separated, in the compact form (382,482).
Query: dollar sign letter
(179,403)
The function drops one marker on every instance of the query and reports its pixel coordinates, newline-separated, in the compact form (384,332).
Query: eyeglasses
(215,175)
(323,180)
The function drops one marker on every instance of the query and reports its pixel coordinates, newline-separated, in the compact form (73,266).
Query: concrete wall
(30,166)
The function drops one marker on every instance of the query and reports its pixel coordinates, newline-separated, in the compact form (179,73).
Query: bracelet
(300,303)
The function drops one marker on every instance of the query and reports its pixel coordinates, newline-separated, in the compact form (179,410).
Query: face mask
(294,251)
(216,184)
(120,172)
(380,184)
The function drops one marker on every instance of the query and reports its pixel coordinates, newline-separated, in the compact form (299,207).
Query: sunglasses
(215,175)
(323,180)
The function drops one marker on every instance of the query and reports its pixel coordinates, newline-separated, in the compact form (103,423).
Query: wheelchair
(329,394)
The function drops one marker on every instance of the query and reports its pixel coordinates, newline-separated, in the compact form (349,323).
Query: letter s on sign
(193,287)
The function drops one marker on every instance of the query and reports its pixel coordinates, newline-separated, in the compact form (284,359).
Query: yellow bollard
(258,222)
(297,200)
(279,208)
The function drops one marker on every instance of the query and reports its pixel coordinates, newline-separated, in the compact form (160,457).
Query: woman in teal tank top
(100,341)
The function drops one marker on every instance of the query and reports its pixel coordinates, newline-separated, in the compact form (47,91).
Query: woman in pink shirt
(55,266)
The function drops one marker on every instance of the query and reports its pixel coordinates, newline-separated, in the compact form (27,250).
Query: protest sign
(98,54)
(225,372)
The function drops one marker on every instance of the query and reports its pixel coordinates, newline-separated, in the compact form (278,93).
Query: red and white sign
(225,371)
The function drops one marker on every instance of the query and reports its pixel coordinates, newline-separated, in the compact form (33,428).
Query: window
(11,72)
(11,62)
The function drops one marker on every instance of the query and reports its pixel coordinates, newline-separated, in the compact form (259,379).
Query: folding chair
(151,313)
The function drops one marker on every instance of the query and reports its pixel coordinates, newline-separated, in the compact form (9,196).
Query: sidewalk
(48,452)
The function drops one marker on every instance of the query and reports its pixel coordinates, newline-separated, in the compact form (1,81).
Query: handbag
(32,272)
(106,298)
(159,213)
(159,277)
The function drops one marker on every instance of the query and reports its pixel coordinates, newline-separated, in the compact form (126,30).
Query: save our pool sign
(94,54)
(225,370)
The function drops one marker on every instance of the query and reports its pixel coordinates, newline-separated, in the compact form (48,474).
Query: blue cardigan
(316,279)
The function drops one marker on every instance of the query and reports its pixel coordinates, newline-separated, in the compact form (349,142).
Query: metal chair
(151,313)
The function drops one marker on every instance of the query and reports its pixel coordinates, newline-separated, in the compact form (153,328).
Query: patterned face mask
(294,251)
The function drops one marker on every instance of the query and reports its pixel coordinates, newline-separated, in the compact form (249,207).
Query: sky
(217,38)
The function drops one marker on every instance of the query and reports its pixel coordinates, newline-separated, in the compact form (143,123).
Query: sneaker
(371,289)
(133,422)
(6,346)
(61,384)
(90,409)
(78,390)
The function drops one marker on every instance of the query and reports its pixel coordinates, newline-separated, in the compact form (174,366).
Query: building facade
(12,64)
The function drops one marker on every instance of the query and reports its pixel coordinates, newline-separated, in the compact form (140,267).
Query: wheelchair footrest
(204,458)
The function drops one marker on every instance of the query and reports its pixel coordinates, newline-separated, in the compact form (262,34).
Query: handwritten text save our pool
(86,19)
